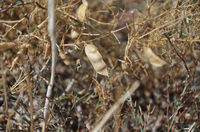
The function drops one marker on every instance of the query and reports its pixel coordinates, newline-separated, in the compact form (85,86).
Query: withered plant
(83,65)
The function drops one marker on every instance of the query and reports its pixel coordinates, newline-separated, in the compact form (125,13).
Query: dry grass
(167,98)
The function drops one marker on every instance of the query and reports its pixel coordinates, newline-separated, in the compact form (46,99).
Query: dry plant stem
(8,124)
(192,127)
(30,96)
(28,79)
(70,86)
(182,40)
(116,38)
(45,65)
(18,82)
(98,22)
(4,86)
(13,27)
(88,34)
(168,86)
(52,34)
(177,53)
(166,24)
(39,26)
(118,93)
(109,33)
(71,5)
(121,100)
(149,13)
(6,100)
(7,21)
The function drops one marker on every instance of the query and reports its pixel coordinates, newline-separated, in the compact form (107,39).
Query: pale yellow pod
(85,2)
(153,59)
(81,12)
(96,59)
(74,33)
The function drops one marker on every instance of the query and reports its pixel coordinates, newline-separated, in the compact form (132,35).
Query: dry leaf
(96,59)
(153,59)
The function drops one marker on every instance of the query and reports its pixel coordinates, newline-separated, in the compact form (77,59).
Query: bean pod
(153,59)
(81,12)
(96,59)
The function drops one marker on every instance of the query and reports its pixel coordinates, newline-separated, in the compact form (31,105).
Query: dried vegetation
(150,49)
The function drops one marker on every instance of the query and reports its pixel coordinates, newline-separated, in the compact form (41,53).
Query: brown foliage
(155,42)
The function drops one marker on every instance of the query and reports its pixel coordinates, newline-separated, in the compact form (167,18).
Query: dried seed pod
(63,56)
(47,50)
(74,33)
(85,2)
(7,45)
(153,59)
(96,59)
(124,66)
(82,11)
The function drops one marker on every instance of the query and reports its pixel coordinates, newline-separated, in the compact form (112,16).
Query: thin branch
(30,95)
(177,53)
(121,100)
(173,22)
(4,86)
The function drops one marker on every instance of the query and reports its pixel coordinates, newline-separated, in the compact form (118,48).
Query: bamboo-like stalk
(52,34)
